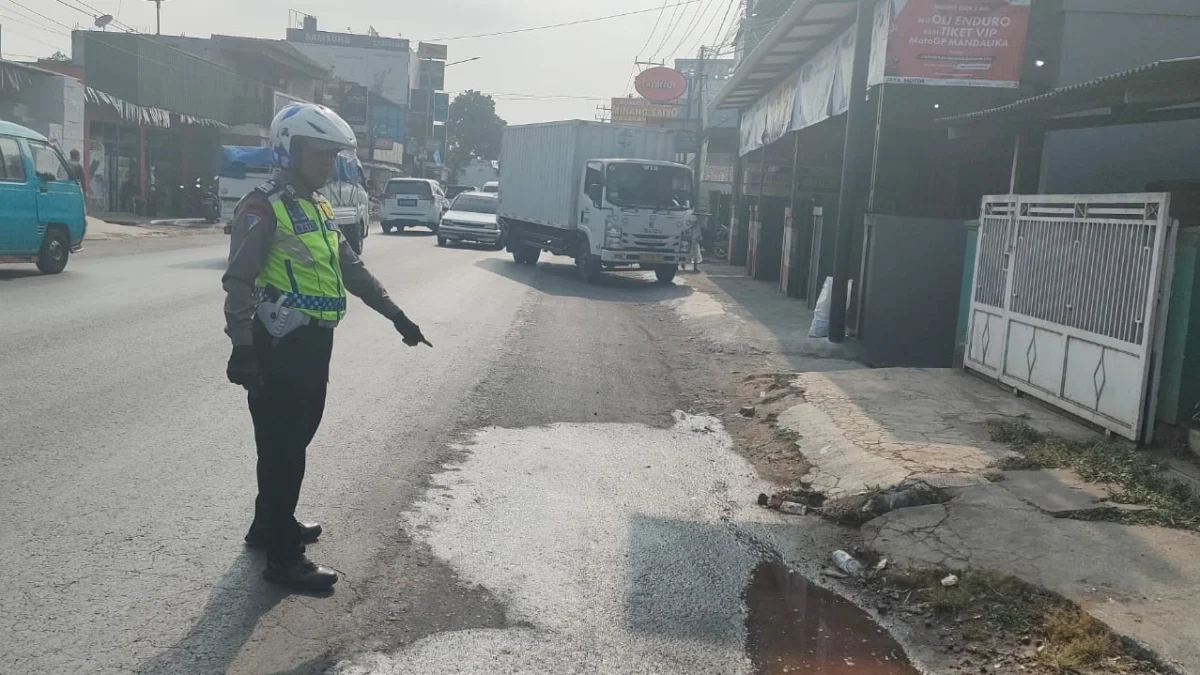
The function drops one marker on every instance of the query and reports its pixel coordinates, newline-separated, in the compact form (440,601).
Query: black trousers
(287,411)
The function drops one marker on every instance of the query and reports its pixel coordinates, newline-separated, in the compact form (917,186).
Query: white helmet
(308,120)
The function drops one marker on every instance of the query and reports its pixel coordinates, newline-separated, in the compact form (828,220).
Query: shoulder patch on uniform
(252,220)
(267,188)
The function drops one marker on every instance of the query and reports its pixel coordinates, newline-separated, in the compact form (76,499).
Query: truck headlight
(612,234)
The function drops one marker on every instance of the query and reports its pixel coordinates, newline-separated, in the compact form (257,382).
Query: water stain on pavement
(794,626)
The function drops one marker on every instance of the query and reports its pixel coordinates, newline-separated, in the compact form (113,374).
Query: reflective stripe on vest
(303,261)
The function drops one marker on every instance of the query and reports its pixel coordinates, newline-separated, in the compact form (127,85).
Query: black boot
(257,536)
(300,574)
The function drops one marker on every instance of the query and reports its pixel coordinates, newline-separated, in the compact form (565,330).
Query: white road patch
(699,305)
(615,547)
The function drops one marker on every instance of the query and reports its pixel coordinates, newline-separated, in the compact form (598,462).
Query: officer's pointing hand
(409,330)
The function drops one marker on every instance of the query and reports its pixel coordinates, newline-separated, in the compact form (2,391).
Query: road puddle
(796,627)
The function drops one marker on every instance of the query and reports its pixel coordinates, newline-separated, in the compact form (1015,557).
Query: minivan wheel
(55,251)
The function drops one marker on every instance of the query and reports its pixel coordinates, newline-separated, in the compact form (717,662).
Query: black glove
(243,368)
(409,330)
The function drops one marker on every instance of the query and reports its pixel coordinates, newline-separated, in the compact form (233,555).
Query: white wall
(53,107)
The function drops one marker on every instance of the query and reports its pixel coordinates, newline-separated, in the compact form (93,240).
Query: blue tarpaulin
(236,160)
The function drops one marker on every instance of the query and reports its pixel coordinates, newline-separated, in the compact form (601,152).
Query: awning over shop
(800,74)
(17,76)
(804,29)
(1158,92)
(145,115)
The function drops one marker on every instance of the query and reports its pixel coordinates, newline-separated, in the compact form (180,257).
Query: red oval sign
(660,84)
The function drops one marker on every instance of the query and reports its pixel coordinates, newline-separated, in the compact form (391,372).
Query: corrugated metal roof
(806,27)
(1092,93)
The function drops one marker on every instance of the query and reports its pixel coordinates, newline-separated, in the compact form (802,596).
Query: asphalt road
(526,482)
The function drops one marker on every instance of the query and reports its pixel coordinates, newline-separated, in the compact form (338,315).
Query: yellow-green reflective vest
(303,262)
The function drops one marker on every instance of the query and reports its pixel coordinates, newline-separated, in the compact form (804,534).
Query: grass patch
(1139,477)
(986,605)
(788,435)
(1076,640)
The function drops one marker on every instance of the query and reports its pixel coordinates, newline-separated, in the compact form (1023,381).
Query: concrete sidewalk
(864,429)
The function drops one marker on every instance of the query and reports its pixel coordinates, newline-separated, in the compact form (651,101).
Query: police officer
(289,271)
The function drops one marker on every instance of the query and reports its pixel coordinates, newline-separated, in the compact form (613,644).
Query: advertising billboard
(375,63)
(428,50)
(321,37)
(432,75)
(660,84)
(975,43)
(638,111)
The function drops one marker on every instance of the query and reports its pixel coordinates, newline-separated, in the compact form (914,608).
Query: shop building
(846,168)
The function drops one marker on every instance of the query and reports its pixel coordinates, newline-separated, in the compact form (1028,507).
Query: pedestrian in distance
(75,169)
(285,292)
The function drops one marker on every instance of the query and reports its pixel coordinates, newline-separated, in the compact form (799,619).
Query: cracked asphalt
(127,462)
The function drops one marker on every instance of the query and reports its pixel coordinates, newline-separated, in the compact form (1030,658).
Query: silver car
(471,217)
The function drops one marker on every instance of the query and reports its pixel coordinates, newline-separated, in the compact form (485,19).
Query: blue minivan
(42,216)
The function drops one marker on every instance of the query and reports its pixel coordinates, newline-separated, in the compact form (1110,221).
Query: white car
(492,186)
(411,202)
(472,217)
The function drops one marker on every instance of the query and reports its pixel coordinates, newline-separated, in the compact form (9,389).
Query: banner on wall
(971,43)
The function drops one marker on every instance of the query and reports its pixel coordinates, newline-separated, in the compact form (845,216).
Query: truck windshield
(474,204)
(649,186)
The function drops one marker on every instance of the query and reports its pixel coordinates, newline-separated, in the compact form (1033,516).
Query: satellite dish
(103,21)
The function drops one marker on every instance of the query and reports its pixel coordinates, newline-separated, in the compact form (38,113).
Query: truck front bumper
(643,257)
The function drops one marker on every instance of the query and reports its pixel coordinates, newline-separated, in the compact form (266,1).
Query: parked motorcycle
(716,243)
(211,203)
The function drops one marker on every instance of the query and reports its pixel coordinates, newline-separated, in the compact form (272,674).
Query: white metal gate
(1067,297)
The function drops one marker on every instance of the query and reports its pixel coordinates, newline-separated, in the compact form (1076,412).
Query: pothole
(793,626)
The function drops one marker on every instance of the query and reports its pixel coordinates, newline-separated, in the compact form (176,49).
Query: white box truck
(606,195)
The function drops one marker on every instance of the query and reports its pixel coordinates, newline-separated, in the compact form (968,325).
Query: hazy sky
(543,75)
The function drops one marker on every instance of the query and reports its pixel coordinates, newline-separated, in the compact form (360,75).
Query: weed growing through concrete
(1139,476)
(990,606)
(788,435)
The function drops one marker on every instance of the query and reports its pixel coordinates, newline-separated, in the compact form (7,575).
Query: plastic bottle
(846,563)
(793,508)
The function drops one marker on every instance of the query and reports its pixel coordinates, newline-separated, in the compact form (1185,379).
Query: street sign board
(428,50)
(638,111)
(660,84)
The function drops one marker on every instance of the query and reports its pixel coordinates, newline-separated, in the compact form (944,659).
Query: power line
(721,31)
(704,33)
(94,13)
(694,25)
(672,24)
(24,21)
(37,40)
(561,25)
(657,21)
(34,11)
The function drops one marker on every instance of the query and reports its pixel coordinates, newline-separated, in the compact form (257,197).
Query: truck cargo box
(541,166)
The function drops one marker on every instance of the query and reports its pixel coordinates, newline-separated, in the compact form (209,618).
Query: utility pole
(158,16)
(698,90)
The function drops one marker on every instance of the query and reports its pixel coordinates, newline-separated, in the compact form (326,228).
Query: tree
(58,56)
(473,130)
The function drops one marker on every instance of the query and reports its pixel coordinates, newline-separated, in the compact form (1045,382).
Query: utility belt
(280,316)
